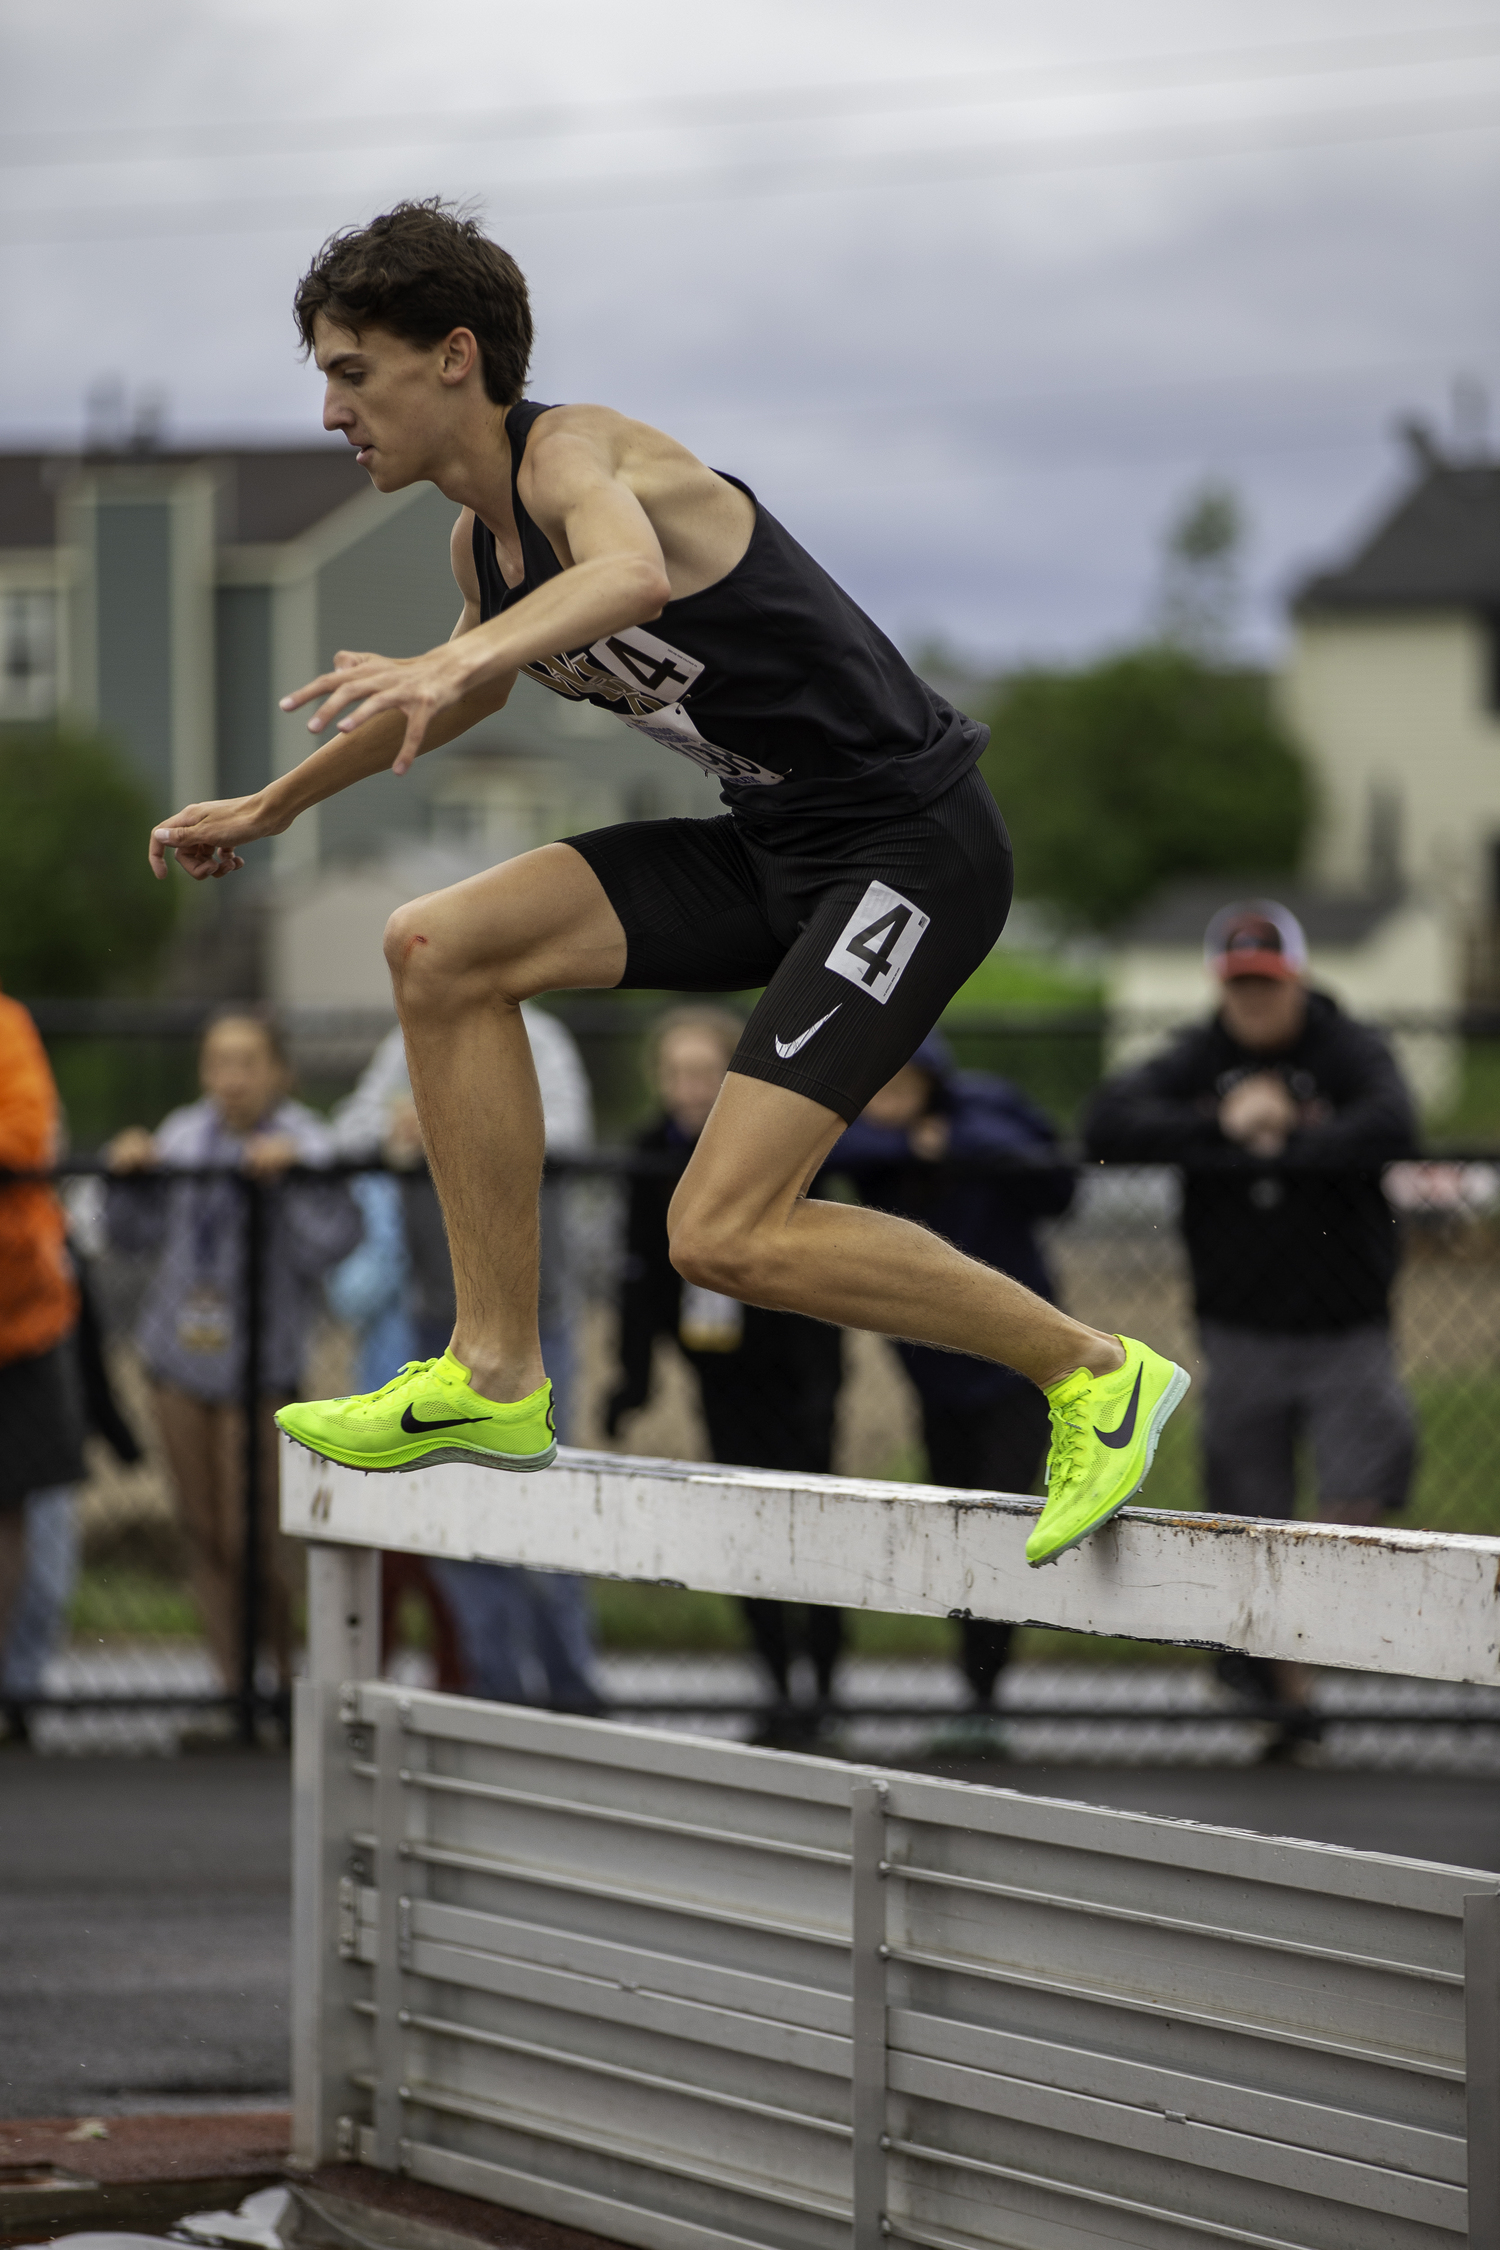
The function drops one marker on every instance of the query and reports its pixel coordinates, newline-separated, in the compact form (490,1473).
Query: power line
(1014,85)
(1204,389)
(887,170)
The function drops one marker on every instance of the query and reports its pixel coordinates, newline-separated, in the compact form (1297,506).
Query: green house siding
(243,690)
(394,592)
(133,574)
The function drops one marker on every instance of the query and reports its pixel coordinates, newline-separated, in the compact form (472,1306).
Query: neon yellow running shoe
(426,1414)
(1104,1433)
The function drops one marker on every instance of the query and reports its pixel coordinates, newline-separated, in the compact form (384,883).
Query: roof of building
(267,493)
(28,502)
(1179,915)
(280,493)
(1438,548)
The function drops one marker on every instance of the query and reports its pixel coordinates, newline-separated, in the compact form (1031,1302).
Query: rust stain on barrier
(1272,1533)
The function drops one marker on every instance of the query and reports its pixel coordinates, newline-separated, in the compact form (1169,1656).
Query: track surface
(144,1945)
(144,1903)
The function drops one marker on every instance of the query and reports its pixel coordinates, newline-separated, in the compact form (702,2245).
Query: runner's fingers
(373,687)
(369,708)
(336,701)
(322,685)
(328,683)
(416,728)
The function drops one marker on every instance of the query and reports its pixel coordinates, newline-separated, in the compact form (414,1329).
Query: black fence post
(250,1604)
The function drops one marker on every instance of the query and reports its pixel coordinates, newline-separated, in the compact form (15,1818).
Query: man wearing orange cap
(1282,1112)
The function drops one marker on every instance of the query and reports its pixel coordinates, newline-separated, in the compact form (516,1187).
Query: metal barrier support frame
(1397,1602)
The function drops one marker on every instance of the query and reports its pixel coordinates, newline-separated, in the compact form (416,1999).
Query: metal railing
(132,1643)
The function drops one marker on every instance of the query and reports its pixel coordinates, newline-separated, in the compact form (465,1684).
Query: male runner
(860,874)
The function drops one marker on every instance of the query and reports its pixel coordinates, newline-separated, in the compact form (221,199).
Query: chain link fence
(159,1606)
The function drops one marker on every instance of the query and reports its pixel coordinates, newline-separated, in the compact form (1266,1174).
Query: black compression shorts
(861,931)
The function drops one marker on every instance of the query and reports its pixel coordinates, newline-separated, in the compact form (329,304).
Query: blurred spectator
(510,1635)
(368,1289)
(368,1292)
(769,1380)
(191,1334)
(41,1405)
(984,1427)
(39,1611)
(1282,1111)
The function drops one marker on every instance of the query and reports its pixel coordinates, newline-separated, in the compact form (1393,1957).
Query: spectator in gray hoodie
(192,1334)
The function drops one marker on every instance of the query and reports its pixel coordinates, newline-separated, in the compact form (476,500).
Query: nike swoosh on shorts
(786,1049)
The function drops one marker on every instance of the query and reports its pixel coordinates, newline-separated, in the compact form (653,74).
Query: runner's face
(240,1075)
(690,1068)
(390,398)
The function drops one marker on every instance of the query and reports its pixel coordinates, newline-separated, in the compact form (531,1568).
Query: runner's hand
(362,685)
(204,836)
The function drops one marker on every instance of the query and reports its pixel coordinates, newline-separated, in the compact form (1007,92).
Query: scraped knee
(408,934)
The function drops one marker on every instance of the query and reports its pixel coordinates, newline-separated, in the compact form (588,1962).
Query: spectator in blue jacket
(984,1427)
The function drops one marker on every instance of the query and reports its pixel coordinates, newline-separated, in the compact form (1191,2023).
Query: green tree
(1141,769)
(80,912)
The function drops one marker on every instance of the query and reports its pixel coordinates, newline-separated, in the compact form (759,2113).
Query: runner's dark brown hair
(421,270)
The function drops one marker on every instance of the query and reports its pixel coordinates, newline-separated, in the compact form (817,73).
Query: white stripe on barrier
(1425,1604)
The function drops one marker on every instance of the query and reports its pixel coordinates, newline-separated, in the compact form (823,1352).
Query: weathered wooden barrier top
(1425,1604)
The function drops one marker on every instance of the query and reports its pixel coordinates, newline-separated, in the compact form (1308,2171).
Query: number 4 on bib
(877,941)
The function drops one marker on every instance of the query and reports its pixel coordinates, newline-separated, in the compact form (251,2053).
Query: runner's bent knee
(532,925)
(438,952)
(715,1250)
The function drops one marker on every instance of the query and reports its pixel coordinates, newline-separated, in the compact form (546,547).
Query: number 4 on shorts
(877,941)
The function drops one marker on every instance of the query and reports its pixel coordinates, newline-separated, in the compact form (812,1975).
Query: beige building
(1393,688)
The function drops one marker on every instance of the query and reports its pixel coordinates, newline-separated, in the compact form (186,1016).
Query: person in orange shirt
(41,1407)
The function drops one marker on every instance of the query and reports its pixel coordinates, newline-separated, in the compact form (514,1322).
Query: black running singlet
(771,679)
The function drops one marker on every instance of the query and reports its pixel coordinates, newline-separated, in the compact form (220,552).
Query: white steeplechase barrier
(692,1995)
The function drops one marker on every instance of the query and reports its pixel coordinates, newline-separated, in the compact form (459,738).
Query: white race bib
(644,680)
(877,941)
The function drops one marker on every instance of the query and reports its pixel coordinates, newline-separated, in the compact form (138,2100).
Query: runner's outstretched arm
(615,576)
(391,709)
(204,836)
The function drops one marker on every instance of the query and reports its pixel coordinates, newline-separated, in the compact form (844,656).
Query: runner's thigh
(688,900)
(536,923)
(888,933)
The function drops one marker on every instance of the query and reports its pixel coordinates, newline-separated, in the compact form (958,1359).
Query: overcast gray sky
(972,293)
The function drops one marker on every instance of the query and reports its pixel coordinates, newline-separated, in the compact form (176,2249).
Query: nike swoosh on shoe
(1120,1437)
(414,1428)
(787,1048)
